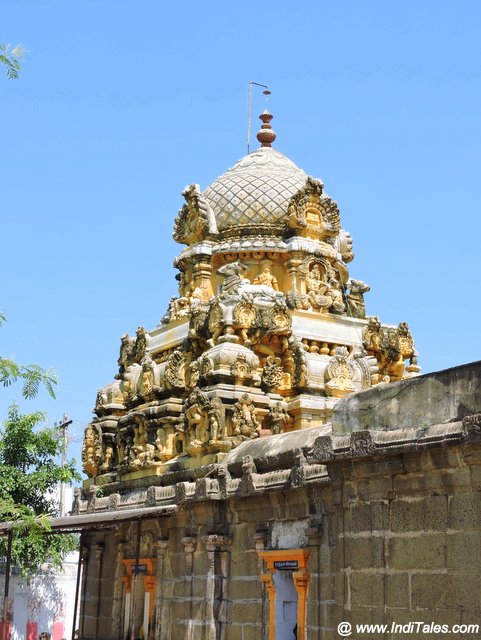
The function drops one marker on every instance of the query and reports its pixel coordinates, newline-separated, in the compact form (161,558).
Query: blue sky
(120,105)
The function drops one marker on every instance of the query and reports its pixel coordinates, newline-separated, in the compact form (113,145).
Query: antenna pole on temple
(267,93)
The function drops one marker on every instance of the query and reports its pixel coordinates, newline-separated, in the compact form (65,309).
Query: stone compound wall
(390,516)
(408,541)
(394,539)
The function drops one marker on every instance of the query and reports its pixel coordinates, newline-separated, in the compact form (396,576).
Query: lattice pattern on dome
(256,191)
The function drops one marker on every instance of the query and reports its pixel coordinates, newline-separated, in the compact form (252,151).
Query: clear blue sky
(122,104)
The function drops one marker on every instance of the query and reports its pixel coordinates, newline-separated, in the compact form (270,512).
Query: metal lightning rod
(267,93)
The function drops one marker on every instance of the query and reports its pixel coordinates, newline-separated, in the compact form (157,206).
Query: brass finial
(266,135)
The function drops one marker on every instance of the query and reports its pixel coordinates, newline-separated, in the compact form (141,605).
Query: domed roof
(255,192)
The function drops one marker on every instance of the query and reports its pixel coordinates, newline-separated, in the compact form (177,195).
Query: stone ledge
(277,464)
(431,399)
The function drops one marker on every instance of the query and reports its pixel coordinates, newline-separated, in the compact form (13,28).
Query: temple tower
(268,331)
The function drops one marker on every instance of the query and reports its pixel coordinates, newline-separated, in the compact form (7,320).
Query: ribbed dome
(256,192)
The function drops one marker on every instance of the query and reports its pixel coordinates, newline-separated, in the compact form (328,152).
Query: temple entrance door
(286,605)
(138,610)
(286,583)
(138,616)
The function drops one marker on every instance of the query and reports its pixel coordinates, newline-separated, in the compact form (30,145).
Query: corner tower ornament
(267,332)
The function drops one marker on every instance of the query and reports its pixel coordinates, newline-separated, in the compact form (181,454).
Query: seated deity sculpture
(335,294)
(266,277)
(317,289)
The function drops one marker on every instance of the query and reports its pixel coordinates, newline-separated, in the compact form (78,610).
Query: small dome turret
(255,193)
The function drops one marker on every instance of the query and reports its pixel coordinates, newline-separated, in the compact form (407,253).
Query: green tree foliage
(29,477)
(11,58)
(32,376)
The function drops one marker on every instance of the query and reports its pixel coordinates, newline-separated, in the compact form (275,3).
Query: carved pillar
(301,582)
(98,550)
(202,276)
(219,560)
(117,593)
(268,582)
(190,543)
(260,542)
(161,620)
(293,269)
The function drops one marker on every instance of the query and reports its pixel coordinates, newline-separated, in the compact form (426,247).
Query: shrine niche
(313,214)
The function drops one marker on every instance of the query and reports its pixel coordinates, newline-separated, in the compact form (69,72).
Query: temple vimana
(267,461)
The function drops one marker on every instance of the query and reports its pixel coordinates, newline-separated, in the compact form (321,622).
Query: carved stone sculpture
(313,214)
(244,419)
(272,373)
(126,352)
(139,348)
(92,450)
(266,277)
(391,347)
(355,298)
(195,220)
(231,274)
(340,374)
(317,290)
(175,370)
(216,421)
(141,451)
(277,419)
(241,369)
(197,422)
(147,378)
(372,336)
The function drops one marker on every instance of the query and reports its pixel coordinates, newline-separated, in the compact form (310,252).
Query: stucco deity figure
(334,292)
(216,424)
(179,307)
(125,355)
(196,296)
(108,459)
(277,418)
(139,349)
(92,450)
(406,342)
(244,418)
(197,421)
(317,289)
(142,452)
(147,377)
(160,442)
(266,277)
(140,438)
(372,335)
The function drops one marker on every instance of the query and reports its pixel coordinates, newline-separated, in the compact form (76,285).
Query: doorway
(286,583)
(286,604)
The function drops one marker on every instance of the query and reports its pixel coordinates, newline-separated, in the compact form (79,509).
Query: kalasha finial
(266,135)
